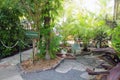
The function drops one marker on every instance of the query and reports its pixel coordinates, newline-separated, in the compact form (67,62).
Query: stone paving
(67,65)
(8,66)
(67,70)
(53,75)
(80,64)
(15,77)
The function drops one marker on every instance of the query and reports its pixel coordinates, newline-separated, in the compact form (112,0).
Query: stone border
(68,56)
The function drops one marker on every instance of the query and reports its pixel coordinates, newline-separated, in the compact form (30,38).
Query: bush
(10,29)
(116,39)
(102,36)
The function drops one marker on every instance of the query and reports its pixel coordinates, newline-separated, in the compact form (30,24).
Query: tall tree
(43,14)
(116,10)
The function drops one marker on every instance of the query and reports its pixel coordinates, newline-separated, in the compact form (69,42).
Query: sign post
(32,35)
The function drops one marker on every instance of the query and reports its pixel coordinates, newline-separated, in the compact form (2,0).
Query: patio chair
(76,48)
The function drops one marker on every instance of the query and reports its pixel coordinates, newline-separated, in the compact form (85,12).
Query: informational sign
(31,34)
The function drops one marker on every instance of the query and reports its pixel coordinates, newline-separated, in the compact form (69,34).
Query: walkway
(8,66)
(67,70)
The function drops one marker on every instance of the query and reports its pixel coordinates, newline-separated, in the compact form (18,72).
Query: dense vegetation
(44,15)
(48,17)
(116,39)
(10,30)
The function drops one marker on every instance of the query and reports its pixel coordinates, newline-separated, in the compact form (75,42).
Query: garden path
(9,69)
(67,70)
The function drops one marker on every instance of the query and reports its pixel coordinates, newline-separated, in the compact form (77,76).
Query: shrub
(116,39)
(10,29)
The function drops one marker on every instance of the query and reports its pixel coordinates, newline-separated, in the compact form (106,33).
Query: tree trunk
(85,46)
(47,27)
(34,51)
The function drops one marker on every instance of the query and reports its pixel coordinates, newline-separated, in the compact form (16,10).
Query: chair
(76,48)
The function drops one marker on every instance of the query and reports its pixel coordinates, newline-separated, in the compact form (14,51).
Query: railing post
(20,52)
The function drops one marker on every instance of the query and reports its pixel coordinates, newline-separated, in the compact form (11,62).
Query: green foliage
(101,33)
(44,14)
(49,14)
(9,3)
(10,29)
(81,27)
(116,39)
(84,25)
(54,45)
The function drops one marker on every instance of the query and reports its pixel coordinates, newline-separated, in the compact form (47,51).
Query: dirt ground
(42,64)
(39,65)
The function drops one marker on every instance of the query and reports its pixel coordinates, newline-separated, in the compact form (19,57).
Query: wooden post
(34,51)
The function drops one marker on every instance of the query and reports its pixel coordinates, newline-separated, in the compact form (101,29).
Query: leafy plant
(102,34)
(116,39)
(10,29)
(43,14)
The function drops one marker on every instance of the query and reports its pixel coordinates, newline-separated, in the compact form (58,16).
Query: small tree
(86,36)
(43,14)
(81,27)
(85,29)
(101,34)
